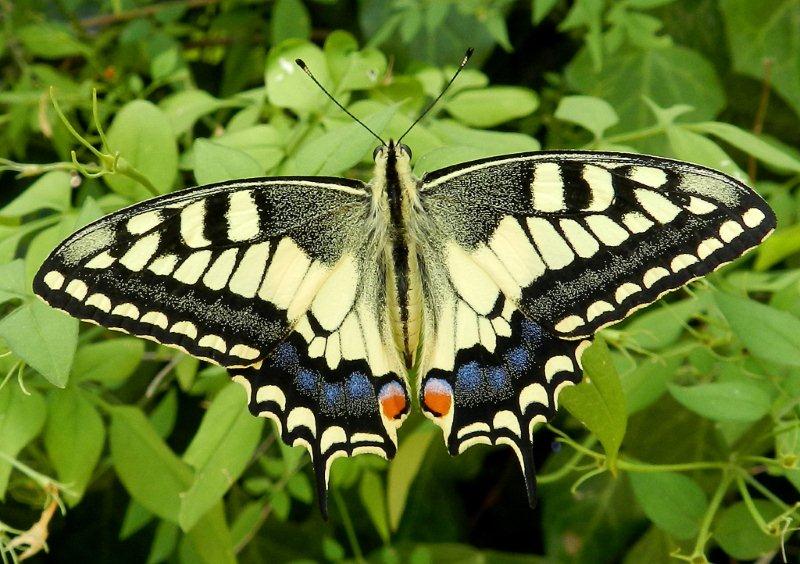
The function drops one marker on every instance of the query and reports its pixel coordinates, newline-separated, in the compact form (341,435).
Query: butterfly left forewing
(274,279)
(556,246)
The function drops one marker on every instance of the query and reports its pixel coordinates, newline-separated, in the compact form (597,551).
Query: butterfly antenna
(467,55)
(302,65)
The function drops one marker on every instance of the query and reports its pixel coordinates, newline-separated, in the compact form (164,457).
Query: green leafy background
(683,443)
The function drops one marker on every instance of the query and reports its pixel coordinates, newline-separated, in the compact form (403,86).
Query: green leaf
(339,149)
(216,163)
(541,8)
(164,542)
(13,285)
(183,109)
(74,439)
(51,40)
(92,361)
(373,498)
(492,105)
(663,325)
(740,536)
(350,68)
(669,76)
(404,468)
(287,85)
(51,191)
(22,417)
(675,503)
(290,20)
(136,518)
(781,245)
(164,415)
(141,132)
(778,336)
(149,470)
(262,142)
(490,143)
(209,541)
(599,402)
(594,114)
(219,452)
(690,146)
(739,400)
(646,383)
(750,144)
(768,32)
(43,337)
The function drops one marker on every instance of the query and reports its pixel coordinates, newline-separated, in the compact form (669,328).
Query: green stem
(708,518)
(348,526)
(568,467)
(756,485)
(751,506)
(633,466)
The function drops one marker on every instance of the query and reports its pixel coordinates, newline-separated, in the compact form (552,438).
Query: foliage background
(124,451)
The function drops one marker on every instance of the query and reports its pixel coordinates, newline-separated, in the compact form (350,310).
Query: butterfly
(487,279)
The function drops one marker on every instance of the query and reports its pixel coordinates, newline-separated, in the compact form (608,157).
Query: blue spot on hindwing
(468,378)
(286,357)
(307,381)
(531,332)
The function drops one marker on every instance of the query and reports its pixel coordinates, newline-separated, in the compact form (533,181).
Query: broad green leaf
(43,337)
(750,144)
(209,541)
(740,536)
(646,383)
(724,401)
(594,114)
(693,147)
(22,417)
(674,502)
(668,76)
(373,498)
(246,522)
(74,439)
(262,142)
(287,85)
(51,40)
(153,475)
(446,156)
(142,134)
(340,148)
(778,336)
(492,105)
(13,285)
(290,20)
(541,8)
(51,191)
(164,415)
(766,31)
(489,142)
(164,542)
(136,518)
(219,452)
(781,245)
(652,547)
(108,362)
(350,68)
(216,163)
(183,109)
(599,402)
(662,326)
(404,468)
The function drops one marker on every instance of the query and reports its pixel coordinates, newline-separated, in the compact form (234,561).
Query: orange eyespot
(438,397)
(393,400)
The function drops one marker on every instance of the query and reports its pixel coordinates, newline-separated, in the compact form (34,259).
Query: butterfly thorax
(394,199)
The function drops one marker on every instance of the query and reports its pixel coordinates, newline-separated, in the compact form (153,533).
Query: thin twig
(761,114)
(151,389)
(108,19)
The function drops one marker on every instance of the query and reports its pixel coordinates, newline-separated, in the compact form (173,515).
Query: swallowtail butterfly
(488,278)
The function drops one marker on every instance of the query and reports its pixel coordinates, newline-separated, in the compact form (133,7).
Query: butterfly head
(399,151)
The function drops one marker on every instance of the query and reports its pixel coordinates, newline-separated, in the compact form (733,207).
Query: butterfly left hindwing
(273,279)
(527,256)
